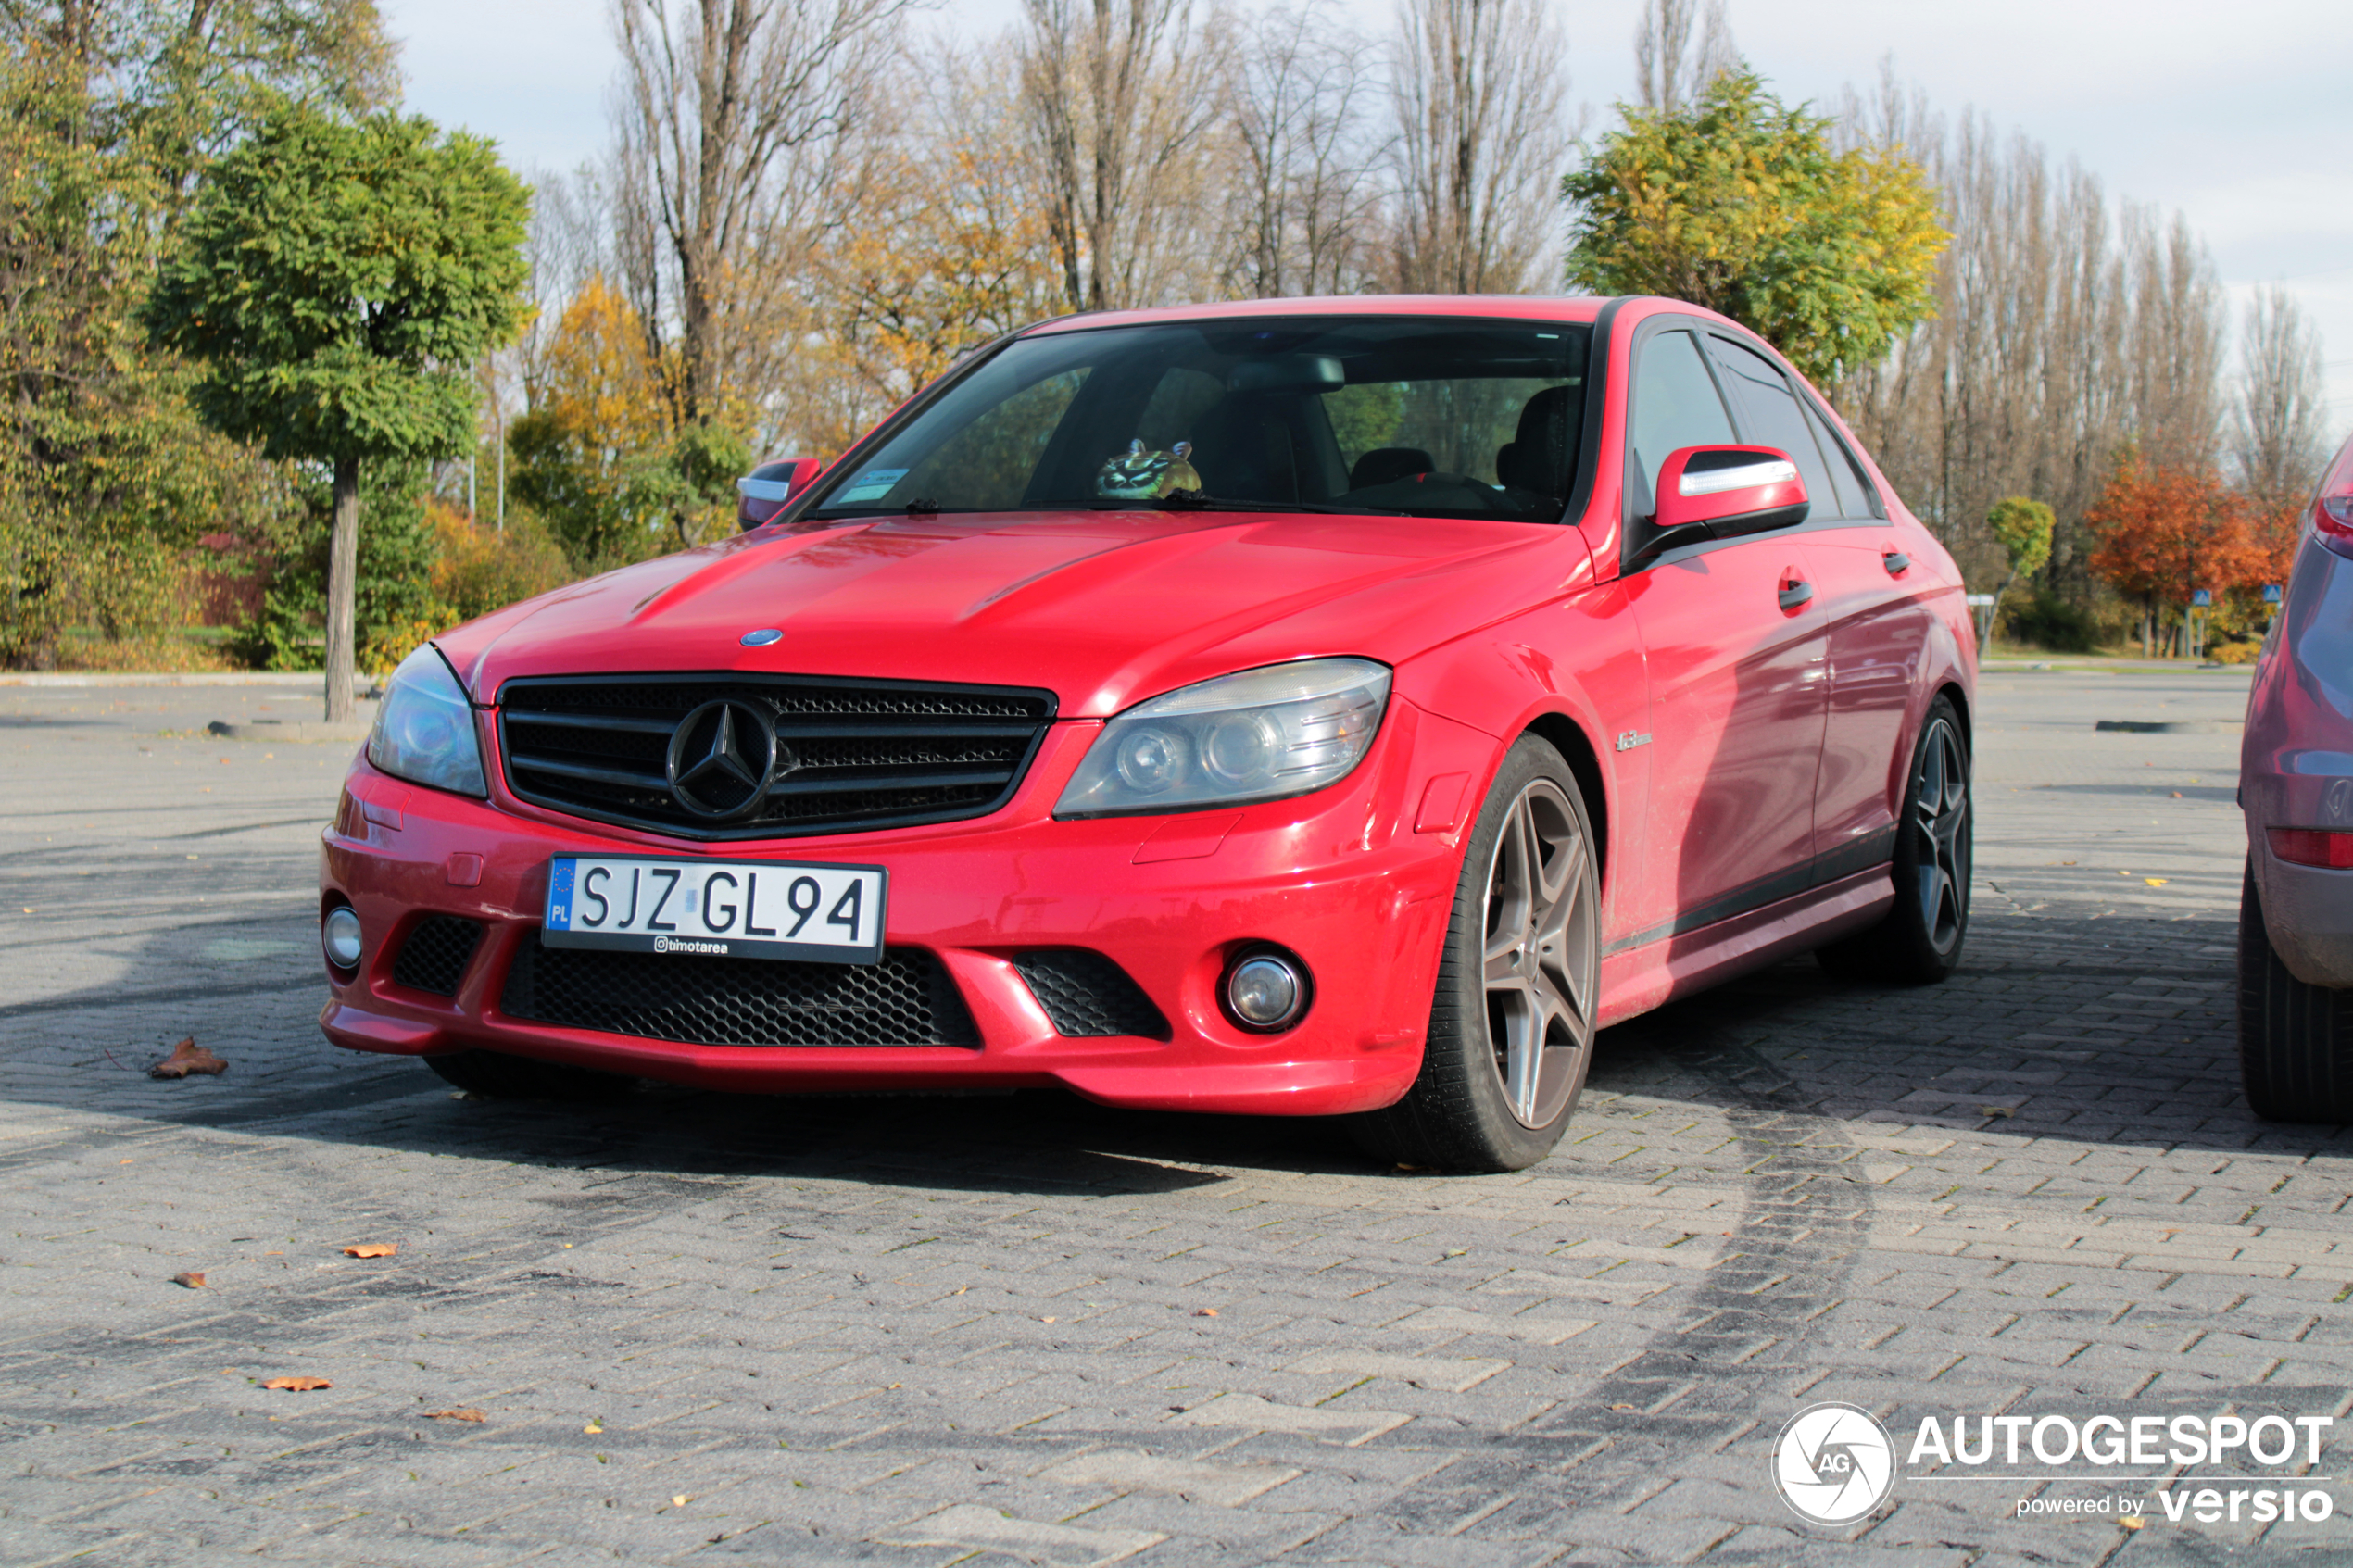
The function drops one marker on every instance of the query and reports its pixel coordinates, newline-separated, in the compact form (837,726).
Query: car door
(1876,627)
(1737,662)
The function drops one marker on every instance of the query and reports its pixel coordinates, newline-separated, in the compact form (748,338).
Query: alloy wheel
(1941,823)
(1539,954)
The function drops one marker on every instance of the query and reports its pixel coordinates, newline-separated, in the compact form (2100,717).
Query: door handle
(1797,594)
(1896,562)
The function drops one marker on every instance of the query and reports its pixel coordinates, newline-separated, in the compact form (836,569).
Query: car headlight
(425,730)
(1259,735)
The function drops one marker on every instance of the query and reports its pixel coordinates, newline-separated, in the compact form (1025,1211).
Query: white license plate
(719,909)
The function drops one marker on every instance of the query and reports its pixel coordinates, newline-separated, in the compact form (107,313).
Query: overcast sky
(2234,116)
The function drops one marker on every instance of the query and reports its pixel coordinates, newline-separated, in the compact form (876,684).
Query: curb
(287,729)
(2172,726)
(363,686)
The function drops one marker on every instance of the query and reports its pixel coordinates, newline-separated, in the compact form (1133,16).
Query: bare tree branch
(1478,88)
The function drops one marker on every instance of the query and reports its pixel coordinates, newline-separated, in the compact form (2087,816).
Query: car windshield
(1426,416)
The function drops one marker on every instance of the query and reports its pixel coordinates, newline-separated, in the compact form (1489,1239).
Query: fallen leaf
(2134,1523)
(2156,881)
(1995,1110)
(192,1280)
(1045,1320)
(464,1412)
(187,1057)
(593,1428)
(372,1250)
(1205,1311)
(297,1385)
(1625,1406)
(2177,794)
(680,1501)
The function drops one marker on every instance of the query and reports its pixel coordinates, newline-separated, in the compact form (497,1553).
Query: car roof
(1532,306)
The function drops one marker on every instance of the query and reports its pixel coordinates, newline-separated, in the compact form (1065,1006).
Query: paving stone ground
(924,1330)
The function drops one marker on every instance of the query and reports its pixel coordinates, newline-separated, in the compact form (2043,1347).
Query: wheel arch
(1566,735)
(1953,691)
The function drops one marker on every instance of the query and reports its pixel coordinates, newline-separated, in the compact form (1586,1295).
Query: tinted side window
(1676,406)
(1774,418)
(1855,491)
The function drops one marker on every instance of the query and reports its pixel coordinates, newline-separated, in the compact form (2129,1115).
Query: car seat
(1545,449)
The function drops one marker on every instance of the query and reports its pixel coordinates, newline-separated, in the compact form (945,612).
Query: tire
(496,1076)
(1919,943)
(1511,1025)
(2295,1041)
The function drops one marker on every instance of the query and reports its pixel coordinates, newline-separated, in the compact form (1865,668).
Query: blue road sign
(2202,599)
(2271,592)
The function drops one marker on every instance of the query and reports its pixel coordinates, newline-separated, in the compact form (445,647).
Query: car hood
(1103,608)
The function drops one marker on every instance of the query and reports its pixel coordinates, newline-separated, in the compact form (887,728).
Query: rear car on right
(2296,785)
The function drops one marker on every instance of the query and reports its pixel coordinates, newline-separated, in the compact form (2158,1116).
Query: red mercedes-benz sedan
(1310,707)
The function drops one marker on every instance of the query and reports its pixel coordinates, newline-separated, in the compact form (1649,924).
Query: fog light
(1266,991)
(339,933)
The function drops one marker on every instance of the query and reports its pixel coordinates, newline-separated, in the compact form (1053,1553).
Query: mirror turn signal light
(2313,846)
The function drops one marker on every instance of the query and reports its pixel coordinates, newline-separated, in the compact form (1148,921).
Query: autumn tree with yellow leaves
(1740,204)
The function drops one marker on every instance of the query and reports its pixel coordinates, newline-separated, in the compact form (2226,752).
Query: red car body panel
(1729,761)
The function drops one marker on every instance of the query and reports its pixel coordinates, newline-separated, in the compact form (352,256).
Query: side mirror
(762,493)
(1732,490)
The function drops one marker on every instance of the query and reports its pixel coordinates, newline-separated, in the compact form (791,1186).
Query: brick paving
(929,1330)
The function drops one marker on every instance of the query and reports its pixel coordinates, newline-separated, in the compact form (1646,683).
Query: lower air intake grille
(434,957)
(1086,994)
(907,1000)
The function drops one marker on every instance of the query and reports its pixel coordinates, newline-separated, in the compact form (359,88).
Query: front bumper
(1340,877)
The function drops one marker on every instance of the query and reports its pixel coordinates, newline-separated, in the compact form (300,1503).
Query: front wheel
(2295,1041)
(1511,1026)
(1920,942)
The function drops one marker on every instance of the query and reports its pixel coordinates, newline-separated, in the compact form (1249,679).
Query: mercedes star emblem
(722,757)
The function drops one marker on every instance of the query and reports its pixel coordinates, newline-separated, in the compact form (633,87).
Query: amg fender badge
(1630,740)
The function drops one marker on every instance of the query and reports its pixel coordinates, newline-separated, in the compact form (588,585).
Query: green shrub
(2054,623)
(394,591)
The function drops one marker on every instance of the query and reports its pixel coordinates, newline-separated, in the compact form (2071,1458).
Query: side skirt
(1638,979)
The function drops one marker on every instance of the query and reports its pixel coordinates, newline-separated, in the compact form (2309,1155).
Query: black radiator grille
(434,955)
(907,1000)
(1086,994)
(852,755)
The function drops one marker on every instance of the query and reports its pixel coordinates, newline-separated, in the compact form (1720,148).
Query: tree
(2164,532)
(1305,187)
(1118,98)
(337,280)
(2057,341)
(2022,527)
(107,106)
(731,126)
(597,457)
(2278,436)
(951,247)
(1670,73)
(1477,87)
(1740,204)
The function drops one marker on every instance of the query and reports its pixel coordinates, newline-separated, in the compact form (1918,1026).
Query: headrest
(1385,465)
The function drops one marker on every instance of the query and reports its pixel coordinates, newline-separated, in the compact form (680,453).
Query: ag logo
(1833,1463)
